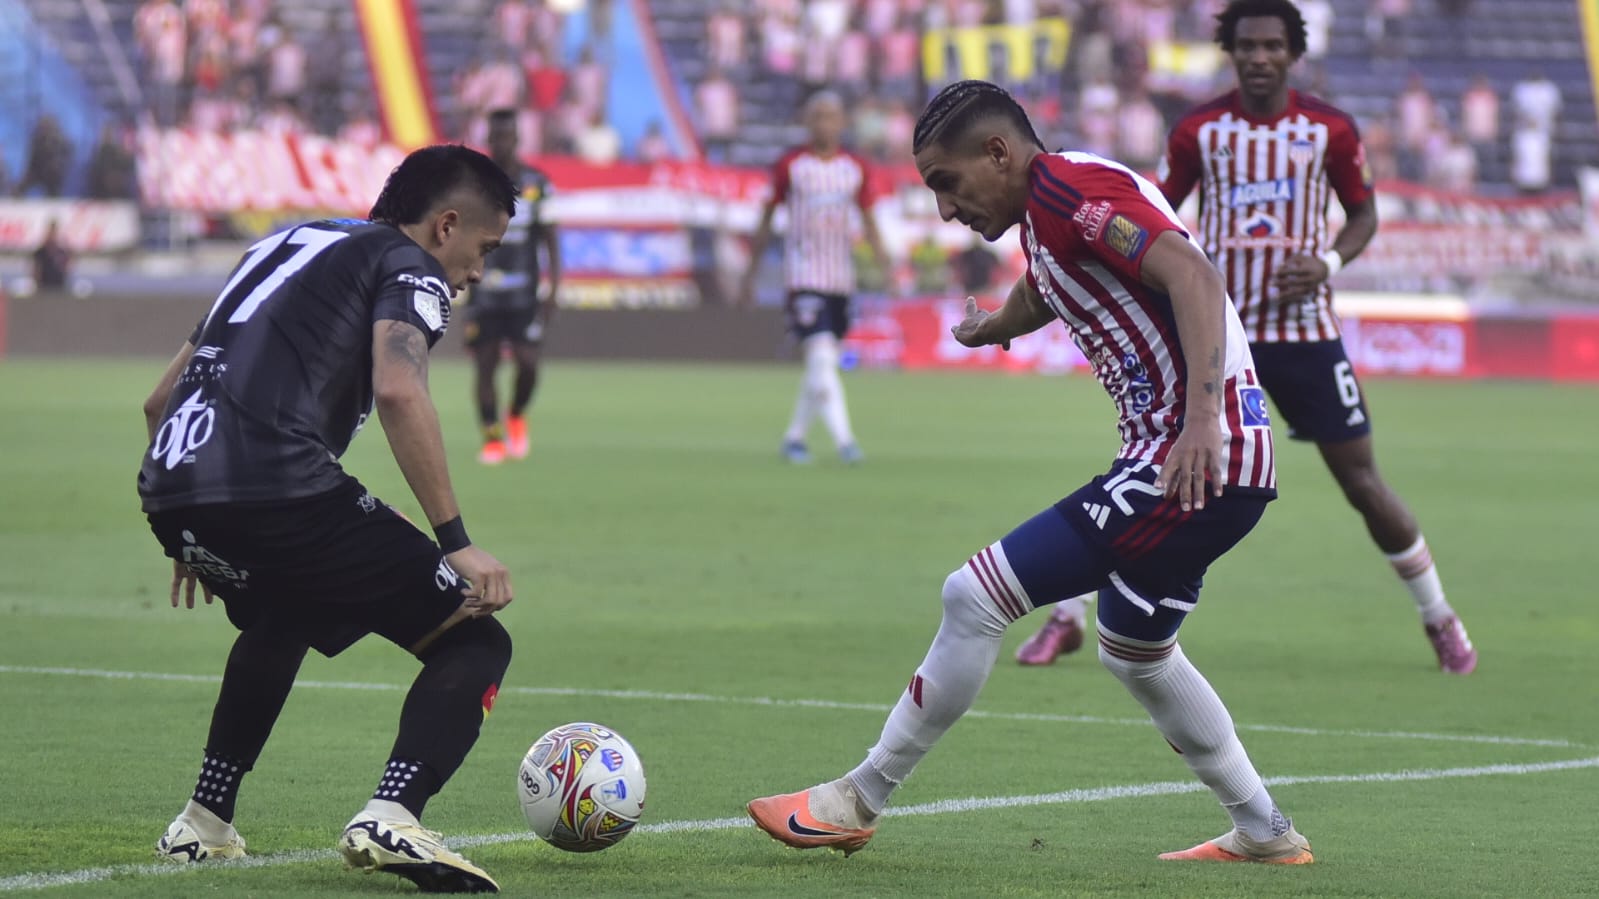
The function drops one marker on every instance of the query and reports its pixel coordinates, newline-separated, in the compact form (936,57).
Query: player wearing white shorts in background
(824,188)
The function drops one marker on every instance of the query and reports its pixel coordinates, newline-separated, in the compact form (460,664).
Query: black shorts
(495,325)
(811,313)
(1314,388)
(329,569)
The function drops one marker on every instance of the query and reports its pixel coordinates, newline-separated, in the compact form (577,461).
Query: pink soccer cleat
(1456,655)
(1056,638)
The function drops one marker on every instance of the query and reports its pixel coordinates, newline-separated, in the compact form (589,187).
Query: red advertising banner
(915,334)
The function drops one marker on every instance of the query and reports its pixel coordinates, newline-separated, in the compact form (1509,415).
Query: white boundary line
(43,880)
(808,704)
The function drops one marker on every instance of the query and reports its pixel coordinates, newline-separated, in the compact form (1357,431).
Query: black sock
(218,785)
(260,673)
(410,783)
(527,380)
(445,709)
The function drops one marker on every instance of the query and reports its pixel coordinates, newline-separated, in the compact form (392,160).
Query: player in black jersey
(507,308)
(316,327)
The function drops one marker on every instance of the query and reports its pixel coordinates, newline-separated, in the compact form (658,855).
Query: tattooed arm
(1199,302)
(400,388)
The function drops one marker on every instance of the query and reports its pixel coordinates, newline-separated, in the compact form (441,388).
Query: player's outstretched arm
(1199,303)
(1023,313)
(411,423)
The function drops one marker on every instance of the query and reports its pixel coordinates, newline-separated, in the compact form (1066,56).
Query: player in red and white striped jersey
(1106,256)
(1267,160)
(825,190)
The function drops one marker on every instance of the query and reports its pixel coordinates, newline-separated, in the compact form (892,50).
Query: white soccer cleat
(413,852)
(181,844)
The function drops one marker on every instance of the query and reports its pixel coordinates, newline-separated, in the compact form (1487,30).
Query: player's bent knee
(967,605)
(484,637)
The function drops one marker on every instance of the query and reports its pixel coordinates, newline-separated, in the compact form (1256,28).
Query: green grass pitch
(746,624)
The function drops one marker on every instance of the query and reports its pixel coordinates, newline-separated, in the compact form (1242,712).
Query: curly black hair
(1227,22)
(424,178)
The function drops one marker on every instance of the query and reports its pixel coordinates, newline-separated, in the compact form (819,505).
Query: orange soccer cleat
(493,452)
(824,817)
(516,436)
(1235,846)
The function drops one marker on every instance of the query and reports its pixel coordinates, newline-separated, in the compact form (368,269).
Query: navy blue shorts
(1314,388)
(1144,555)
(810,313)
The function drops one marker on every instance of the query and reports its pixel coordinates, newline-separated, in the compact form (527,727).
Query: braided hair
(1293,22)
(963,104)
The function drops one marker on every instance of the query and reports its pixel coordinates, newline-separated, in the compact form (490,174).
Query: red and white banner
(1398,336)
(82,226)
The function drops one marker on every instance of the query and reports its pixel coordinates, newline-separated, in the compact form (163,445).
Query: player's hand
(488,587)
(969,331)
(184,579)
(1194,459)
(1298,277)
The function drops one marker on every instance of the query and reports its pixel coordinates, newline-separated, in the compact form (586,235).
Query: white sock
(1074,609)
(980,600)
(391,811)
(1415,567)
(804,410)
(213,830)
(821,371)
(1192,718)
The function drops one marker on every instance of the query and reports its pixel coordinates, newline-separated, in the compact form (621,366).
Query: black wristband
(452,535)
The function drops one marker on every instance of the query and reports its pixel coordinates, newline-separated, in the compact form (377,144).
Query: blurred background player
(1108,258)
(508,309)
(1266,160)
(822,186)
(243,488)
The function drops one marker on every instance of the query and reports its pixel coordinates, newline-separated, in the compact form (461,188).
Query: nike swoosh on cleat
(795,827)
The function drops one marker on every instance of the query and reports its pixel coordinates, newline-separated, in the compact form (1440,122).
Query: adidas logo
(1100,514)
(1356,417)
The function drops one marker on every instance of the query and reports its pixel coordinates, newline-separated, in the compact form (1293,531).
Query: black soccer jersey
(281,376)
(511,274)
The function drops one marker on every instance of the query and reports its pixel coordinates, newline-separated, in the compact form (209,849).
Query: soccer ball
(582,787)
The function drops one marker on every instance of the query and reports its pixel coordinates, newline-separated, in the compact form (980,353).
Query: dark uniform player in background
(317,326)
(506,309)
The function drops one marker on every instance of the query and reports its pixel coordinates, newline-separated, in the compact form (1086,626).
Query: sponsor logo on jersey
(1125,237)
(207,564)
(1273,191)
(186,430)
(1091,218)
(1301,152)
(367,502)
(426,282)
(1259,230)
(1252,405)
(1140,391)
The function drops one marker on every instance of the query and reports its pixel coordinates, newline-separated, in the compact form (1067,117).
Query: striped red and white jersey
(1264,185)
(1089,223)
(821,194)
